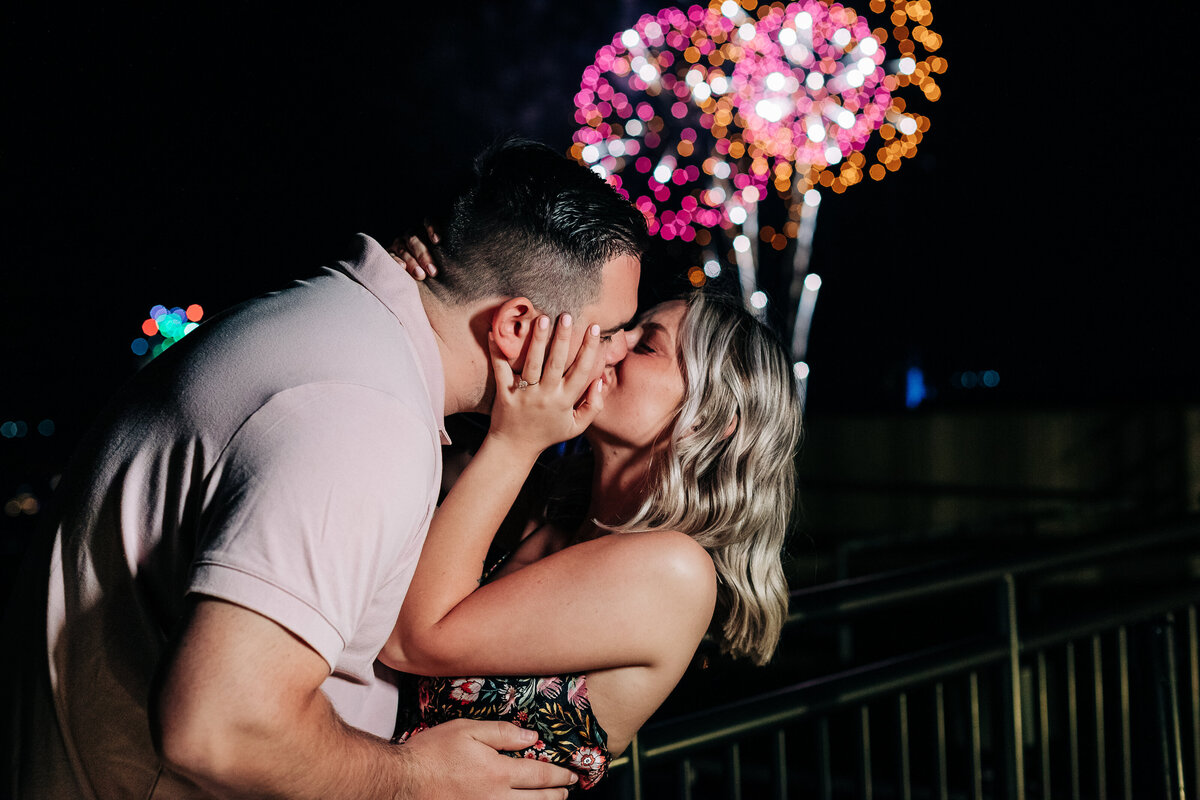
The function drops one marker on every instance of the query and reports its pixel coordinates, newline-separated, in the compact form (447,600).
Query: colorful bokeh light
(696,115)
(164,327)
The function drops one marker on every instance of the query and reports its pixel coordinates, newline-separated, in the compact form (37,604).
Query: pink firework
(697,114)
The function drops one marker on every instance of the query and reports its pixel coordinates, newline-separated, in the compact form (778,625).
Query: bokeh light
(696,114)
(164,327)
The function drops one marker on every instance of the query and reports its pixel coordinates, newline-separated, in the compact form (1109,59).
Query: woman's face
(644,390)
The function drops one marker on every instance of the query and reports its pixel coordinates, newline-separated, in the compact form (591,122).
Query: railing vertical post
(826,758)
(1098,691)
(780,777)
(1126,737)
(939,698)
(1044,722)
(1167,697)
(1011,692)
(1194,700)
(976,738)
(864,730)
(905,771)
(733,771)
(686,778)
(1073,721)
(635,767)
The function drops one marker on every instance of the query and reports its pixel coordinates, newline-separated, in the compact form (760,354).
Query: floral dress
(556,707)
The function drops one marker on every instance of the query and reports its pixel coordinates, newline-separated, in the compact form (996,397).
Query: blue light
(914,391)
(991,378)
(139,346)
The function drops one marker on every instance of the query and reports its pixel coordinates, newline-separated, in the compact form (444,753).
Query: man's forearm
(309,754)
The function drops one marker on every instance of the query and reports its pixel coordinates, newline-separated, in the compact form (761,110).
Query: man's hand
(240,712)
(458,759)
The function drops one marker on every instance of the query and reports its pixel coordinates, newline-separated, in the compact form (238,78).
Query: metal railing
(1038,699)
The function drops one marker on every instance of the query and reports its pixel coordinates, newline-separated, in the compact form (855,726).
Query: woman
(693,436)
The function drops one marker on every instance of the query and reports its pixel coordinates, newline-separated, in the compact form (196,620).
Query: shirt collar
(371,266)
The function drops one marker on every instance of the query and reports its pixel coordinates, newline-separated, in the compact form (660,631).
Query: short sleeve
(316,512)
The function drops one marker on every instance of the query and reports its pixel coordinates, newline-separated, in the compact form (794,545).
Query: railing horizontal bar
(770,710)
(1127,615)
(873,680)
(863,684)
(883,678)
(860,594)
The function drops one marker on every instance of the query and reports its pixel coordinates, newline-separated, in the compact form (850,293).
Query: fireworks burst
(697,115)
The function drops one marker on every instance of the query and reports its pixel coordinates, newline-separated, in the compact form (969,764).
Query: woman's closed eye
(651,339)
(644,345)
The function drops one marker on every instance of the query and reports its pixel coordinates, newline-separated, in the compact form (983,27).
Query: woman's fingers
(556,362)
(406,259)
(421,253)
(433,234)
(536,355)
(582,371)
(593,404)
(500,366)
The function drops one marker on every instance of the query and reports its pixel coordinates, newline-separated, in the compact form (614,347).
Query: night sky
(197,155)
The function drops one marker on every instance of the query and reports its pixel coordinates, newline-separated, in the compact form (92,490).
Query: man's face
(613,309)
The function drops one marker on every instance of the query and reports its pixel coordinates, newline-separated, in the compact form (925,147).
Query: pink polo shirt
(286,457)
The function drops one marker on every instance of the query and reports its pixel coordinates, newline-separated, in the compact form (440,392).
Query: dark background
(192,155)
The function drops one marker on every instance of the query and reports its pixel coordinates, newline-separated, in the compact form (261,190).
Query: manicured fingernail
(566,320)
(594,330)
(543,322)
(528,735)
(420,272)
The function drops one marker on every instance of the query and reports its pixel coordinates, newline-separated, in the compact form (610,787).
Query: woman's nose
(618,346)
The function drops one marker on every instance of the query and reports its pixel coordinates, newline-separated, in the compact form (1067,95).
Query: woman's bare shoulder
(675,562)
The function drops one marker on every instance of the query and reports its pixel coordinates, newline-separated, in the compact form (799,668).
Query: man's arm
(240,712)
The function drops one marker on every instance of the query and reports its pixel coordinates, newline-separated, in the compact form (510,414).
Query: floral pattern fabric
(556,707)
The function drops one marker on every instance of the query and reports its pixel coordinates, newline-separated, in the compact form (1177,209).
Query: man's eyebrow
(621,327)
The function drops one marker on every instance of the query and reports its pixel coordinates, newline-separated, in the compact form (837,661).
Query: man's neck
(460,332)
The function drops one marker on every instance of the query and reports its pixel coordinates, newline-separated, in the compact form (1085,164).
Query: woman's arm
(632,599)
(526,418)
(616,601)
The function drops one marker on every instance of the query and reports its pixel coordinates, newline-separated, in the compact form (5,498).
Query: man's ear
(512,322)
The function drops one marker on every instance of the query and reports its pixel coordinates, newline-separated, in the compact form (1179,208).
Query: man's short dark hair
(535,224)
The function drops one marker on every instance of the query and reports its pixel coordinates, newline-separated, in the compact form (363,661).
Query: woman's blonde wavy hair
(732,492)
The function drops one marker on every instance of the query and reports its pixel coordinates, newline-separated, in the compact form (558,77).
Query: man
(236,537)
